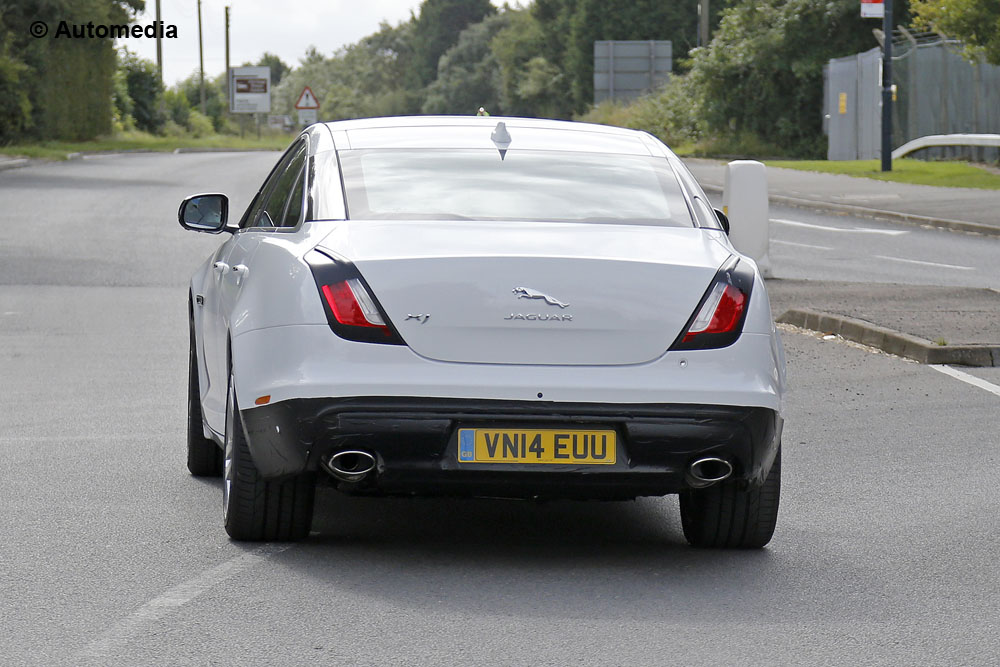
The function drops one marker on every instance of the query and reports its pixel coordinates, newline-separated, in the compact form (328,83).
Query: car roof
(456,132)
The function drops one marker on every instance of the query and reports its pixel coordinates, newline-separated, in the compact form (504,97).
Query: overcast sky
(282,27)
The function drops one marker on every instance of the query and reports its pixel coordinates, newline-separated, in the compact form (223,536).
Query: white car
(485,307)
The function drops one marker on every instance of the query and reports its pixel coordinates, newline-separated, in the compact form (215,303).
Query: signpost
(882,9)
(251,89)
(308,107)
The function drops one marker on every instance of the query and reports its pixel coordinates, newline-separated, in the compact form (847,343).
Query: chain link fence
(937,92)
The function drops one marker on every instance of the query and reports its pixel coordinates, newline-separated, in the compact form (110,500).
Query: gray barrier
(624,70)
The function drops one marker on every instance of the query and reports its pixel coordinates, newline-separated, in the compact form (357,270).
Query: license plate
(568,446)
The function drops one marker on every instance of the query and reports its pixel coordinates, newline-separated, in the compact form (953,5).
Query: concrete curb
(891,341)
(209,149)
(877,213)
(13,163)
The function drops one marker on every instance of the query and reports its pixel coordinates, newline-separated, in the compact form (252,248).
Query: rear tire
(204,455)
(725,516)
(256,509)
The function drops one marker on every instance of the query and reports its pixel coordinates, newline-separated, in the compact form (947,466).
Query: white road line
(848,230)
(801,245)
(968,379)
(108,643)
(921,263)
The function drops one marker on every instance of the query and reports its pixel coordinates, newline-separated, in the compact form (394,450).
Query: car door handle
(220,267)
(241,272)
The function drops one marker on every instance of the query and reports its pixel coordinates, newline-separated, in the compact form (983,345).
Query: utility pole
(229,97)
(887,86)
(702,22)
(201,62)
(159,44)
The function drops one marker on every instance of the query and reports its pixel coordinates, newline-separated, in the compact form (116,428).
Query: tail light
(351,308)
(718,319)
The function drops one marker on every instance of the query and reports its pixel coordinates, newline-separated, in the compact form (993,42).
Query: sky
(283,27)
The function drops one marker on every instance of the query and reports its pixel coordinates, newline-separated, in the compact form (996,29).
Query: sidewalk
(945,325)
(964,209)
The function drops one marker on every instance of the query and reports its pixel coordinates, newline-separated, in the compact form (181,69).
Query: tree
(437,29)
(278,68)
(532,83)
(144,89)
(975,22)
(468,73)
(762,74)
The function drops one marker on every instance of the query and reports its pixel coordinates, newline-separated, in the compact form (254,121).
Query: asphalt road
(885,551)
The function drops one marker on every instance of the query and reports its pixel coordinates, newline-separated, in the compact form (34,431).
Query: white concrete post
(744,201)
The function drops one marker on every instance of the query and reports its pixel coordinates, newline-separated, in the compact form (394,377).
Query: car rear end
(514,308)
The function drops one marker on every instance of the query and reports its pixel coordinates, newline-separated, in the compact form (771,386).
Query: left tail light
(351,308)
(718,319)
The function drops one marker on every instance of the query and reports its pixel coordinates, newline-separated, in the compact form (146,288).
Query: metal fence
(937,92)
(624,70)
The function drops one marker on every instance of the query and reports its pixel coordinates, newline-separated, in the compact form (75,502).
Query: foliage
(278,67)
(975,22)
(57,87)
(145,91)
(667,114)
(437,29)
(762,75)
(15,107)
(531,81)
(468,73)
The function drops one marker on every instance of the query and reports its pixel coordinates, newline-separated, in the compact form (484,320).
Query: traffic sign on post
(307,100)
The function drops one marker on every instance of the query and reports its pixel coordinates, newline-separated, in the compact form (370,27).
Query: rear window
(476,184)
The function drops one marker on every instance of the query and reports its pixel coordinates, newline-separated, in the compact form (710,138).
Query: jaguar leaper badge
(528,293)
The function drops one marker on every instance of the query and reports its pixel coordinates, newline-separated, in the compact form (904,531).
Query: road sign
(307,100)
(307,116)
(250,89)
(872,9)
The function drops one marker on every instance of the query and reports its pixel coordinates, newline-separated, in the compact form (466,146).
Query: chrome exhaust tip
(350,465)
(707,471)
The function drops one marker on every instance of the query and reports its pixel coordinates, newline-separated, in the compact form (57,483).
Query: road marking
(801,245)
(849,230)
(921,263)
(108,643)
(968,379)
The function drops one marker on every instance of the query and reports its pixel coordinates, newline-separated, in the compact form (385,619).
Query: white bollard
(744,201)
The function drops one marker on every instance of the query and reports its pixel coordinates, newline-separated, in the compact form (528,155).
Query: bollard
(744,200)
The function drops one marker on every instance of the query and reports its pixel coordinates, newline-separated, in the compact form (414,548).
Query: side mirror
(204,213)
(723,220)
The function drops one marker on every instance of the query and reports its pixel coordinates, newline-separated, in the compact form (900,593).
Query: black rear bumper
(415,443)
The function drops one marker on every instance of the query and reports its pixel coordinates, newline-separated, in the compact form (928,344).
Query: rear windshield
(476,184)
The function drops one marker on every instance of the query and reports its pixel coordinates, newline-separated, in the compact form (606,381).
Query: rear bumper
(415,443)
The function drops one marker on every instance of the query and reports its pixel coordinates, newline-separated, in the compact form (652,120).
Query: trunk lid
(533,293)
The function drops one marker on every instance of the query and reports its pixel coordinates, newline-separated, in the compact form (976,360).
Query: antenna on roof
(501,137)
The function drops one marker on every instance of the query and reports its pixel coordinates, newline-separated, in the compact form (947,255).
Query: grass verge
(917,172)
(140,141)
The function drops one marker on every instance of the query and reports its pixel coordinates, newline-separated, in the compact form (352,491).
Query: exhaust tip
(707,471)
(351,465)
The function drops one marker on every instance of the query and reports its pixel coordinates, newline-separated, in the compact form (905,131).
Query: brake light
(351,310)
(352,305)
(720,313)
(718,321)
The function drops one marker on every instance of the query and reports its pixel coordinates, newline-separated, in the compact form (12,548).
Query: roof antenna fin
(501,137)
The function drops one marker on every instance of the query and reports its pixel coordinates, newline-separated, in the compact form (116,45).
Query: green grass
(918,172)
(140,141)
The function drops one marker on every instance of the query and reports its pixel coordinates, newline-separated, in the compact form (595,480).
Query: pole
(702,22)
(159,43)
(887,87)
(201,62)
(229,98)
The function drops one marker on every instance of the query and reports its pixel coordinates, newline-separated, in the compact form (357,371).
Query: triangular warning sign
(307,100)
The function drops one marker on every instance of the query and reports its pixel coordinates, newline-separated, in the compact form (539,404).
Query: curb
(13,163)
(211,149)
(877,213)
(891,341)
